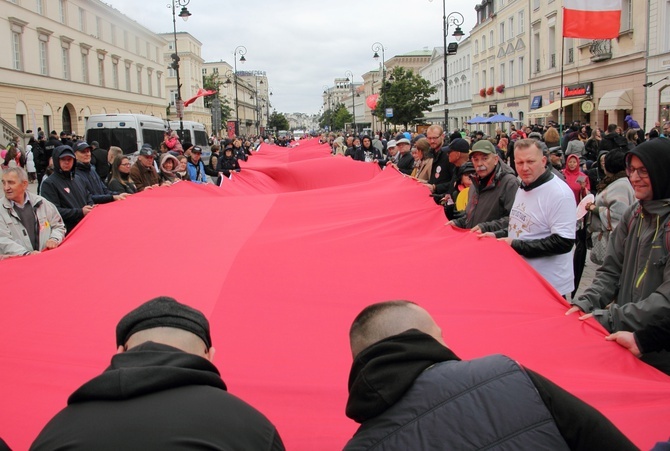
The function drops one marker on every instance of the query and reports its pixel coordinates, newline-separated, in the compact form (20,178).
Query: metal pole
(241,50)
(179,107)
(445,30)
(350,76)
(376,47)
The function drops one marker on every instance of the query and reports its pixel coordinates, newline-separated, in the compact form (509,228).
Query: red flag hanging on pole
(201,93)
(591,19)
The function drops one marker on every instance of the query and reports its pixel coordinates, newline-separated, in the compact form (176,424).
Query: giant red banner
(281,259)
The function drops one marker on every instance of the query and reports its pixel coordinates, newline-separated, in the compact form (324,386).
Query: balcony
(601,50)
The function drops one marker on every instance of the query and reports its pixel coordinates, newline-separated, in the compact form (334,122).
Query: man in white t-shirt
(542,221)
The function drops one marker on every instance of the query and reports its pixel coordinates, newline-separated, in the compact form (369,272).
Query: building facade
(66,60)
(657,89)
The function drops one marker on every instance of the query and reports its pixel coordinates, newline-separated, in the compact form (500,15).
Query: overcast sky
(303,45)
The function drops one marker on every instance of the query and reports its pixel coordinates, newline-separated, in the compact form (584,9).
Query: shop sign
(580,89)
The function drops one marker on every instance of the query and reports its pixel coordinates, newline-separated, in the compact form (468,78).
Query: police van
(127,131)
(195,133)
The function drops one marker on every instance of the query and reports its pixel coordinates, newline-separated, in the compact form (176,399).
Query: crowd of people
(523,187)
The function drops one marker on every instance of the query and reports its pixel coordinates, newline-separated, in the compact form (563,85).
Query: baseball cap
(81,146)
(147,151)
(163,311)
(459,145)
(391,144)
(196,149)
(66,151)
(403,141)
(485,147)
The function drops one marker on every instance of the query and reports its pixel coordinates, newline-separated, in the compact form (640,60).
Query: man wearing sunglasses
(632,287)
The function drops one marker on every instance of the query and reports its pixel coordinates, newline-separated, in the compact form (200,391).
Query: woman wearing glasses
(120,180)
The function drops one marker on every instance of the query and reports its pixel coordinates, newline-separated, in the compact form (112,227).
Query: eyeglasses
(124,164)
(641,172)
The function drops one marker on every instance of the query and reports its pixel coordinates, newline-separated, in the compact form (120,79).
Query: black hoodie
(68,194)
(655,156)
(156,397)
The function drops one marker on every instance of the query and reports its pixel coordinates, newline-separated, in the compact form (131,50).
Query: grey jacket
(635,272)
(494,202)
(13,237)
(615,198)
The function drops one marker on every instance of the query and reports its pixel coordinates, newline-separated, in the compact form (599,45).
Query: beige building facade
(65,60)
(657,91)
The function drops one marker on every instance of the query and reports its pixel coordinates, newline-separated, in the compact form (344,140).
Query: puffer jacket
(13,237)
(635,272)
(492,202)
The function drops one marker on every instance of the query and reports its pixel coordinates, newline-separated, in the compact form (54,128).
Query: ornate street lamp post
(184,14)
(350,78)
(379,47)
(239,50)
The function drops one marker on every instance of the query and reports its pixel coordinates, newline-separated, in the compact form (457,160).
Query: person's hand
(627,340)
(506,239)
(51,244)
(450,223)
(486,235)
(574,309)
(476,229)
(87,209)
(121,196)
(167,183)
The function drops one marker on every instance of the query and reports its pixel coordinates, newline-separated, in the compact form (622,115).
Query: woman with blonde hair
(551,138)
(423,160)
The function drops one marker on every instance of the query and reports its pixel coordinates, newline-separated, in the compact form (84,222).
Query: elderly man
(541,226)
(405,160)
(143,173)
(635,273)
(491,196)
(393,155)
(28,223)
(410,391)
(161,391)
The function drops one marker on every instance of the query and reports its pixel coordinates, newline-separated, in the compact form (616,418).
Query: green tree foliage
(408,95)
(278,121)
(213,82)
(336,117)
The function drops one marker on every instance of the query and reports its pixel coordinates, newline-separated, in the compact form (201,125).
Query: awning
(548,109)
(621,99)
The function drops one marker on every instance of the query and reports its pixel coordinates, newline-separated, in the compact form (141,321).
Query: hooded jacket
(171,175)
(571,177)
(156,397)
(69,194)
(491,202)
(410,392)
(613,141)
(227,163)
(636,269)
(196,171)
(89,177)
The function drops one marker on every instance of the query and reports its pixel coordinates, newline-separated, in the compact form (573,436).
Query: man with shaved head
(409,391)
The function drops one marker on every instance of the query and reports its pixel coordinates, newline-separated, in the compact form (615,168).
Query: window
(493,76)
(82,19)
(483,43)
(125,39)
(204,71)
(536,4)
(148,50)
(484,79)
(101,70)
(570,54)
(39,7)
(44,55)
(20,122)
(173,97)
(62,13)
(476,79)
(476,46)
(65,59)
(98,27)
(522,75)
(17,50)
(158,85)
(46,122)
(216,70)
(84,67)
(137,45)
(149,84)
(491,39)
(113,33)
(552,46)
(502,32)
(502,74)
(127,76)
(172,72)
(511,27)
(626,15)
(115,73)
(521,23)
(139,79)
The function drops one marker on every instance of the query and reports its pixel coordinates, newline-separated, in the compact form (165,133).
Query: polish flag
(201,93)
(591,19)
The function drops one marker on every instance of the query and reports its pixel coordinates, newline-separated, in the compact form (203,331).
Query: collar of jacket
(541,180)
(383,372)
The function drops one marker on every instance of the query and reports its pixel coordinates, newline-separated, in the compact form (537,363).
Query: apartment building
(657,89)
(68,59)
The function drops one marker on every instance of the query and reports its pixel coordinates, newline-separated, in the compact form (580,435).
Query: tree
(408,95)
(326,119)
(341,116)
(212,82)
(278,121)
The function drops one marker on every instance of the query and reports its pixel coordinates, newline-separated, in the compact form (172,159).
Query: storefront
(575,102)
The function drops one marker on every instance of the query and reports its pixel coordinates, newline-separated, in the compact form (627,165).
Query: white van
(195,133)
(127,131)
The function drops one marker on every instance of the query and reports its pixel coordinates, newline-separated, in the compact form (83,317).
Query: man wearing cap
(88,176)
(161,391)
(405,159)
(68,193)
(143,173)
(195,167)
(28,223)
(392,153)
(541,226)
(492,193)
(635,273)
(458,154)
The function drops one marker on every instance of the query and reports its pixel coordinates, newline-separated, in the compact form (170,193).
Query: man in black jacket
(160,392)
(409,391)
(89,177)
(442,170)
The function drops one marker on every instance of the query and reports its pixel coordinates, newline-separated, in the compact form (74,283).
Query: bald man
(409,391)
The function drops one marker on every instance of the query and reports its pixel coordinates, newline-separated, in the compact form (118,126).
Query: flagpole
(562,114)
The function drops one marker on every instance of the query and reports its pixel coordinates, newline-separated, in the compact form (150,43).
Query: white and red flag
(201,93)
(591,19)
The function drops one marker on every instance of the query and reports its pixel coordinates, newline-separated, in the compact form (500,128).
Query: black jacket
(89,177)
(66,192)
(406,163)
(99,161)
(613,141)
(156,397)
(227,164)
(441,173)
(410,392)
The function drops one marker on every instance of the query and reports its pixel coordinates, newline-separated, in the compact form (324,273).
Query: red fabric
(201,93)
(587,24)
(281,259)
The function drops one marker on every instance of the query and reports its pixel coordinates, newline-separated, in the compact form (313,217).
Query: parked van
(127,131)
(195,133)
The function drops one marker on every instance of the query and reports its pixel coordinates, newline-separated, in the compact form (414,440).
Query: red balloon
(371,101)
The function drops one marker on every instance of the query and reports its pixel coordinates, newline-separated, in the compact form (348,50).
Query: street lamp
(456,19)
(326,91)
(350,78)
(184,14)
(377,47)
(239,50)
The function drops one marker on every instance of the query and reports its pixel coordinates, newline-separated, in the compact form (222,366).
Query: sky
(304,45)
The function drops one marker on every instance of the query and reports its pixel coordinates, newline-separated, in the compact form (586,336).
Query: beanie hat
(655,156)
(163,311)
